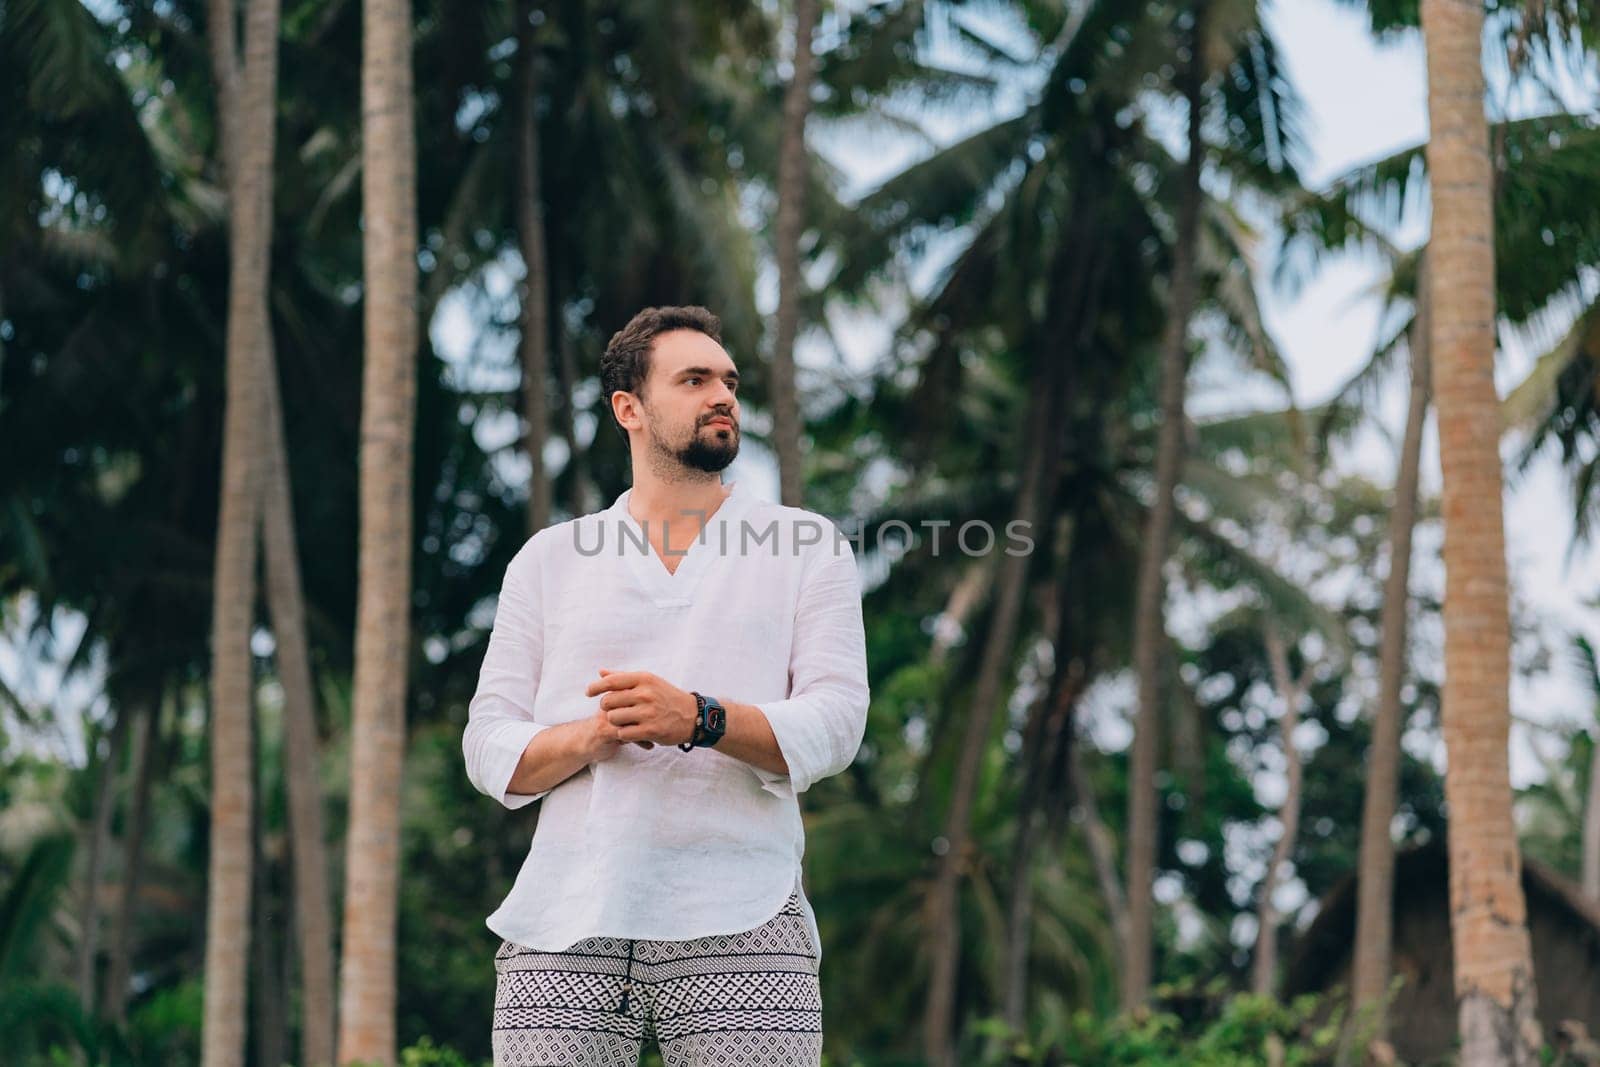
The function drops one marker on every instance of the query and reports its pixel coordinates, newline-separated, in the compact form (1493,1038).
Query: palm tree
(1291,689)
(1032,190)
(1337,217)
(97,844)
(1538,157)
(1150,597)
(1040,446)
(246,95)
(1375,877)
(286,602)
(114,1001)
(1493,961)
(534,347)
(792,178)
(383,637)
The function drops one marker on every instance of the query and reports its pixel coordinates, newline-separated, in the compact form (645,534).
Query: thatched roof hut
(1566,952)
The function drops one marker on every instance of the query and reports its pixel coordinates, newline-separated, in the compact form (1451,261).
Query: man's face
(690,406)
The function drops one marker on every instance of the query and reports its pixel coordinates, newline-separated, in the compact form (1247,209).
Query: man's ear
(625,406)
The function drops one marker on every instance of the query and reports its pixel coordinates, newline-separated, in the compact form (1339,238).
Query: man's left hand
(645,707)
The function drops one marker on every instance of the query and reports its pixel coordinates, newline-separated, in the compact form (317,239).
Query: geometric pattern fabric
(750,999)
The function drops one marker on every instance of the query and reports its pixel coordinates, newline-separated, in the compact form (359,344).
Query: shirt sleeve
(819,726)
(500,718)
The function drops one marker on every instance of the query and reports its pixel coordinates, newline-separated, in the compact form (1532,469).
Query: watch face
(716,719)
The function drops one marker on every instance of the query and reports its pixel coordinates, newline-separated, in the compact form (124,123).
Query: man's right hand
(556,754)
(603,740)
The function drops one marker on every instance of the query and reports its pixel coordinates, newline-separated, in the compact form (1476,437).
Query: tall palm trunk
(964,599)
(1375,881)
(1050,736)
(534,349)
(586,499)
(98,835)
(246,98)
(1019,917)
(383,642)
(307,841)
(1293,690)
(267,995)
(1488,918)
(1149,617)
(114,1001)
(786,428)
(1074,297)
(943,917)
(1101,842)
(1591,830)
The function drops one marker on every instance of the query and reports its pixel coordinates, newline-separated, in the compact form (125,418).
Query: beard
(707,451)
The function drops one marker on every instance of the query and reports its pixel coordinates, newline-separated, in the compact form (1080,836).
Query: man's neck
(658,502)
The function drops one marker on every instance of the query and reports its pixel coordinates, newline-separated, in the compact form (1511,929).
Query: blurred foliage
(980,257)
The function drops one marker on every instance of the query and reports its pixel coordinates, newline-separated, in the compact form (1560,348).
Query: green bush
(426,1054)
(1247,1029)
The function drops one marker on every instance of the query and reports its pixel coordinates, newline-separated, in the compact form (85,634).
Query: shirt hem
(509,932)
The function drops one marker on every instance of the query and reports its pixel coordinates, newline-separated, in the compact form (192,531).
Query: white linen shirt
(764,608)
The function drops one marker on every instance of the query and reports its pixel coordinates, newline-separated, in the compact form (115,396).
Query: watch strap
(703,737)
(699,724)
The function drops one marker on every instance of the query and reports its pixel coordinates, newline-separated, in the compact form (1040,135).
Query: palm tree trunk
(267,994)
(1488,916)
(586,499)
(118,967)
(98,840)
(286,602)
(534,349)
(1293,690)
(959,606)
(1102,846)
(943,919)
(1375,882)
(389,244)
(1076,289)
(1149,616)
(246,104)
(1051,738)
(1019,917)
(1591,830)
(786,428)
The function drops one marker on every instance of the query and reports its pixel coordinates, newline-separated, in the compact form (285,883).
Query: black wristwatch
(710,723)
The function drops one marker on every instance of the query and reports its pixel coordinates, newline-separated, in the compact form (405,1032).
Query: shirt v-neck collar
(674,588)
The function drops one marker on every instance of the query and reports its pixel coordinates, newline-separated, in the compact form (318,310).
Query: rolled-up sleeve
(500,718)
(820,724)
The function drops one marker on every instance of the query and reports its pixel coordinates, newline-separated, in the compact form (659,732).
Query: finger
(613,680)
(625,698)
(624,716)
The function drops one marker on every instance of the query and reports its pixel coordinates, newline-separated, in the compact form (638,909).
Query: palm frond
(1224,255)
(1228,563)
(28,902)
(1529,403)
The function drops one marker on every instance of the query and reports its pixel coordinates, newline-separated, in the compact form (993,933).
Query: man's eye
(690,380)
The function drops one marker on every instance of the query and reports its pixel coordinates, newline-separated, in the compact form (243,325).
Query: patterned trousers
(750,999)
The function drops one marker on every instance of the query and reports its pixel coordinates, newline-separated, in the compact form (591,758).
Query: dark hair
(626,362)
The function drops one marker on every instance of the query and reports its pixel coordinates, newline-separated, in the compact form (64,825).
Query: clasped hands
(643,708)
